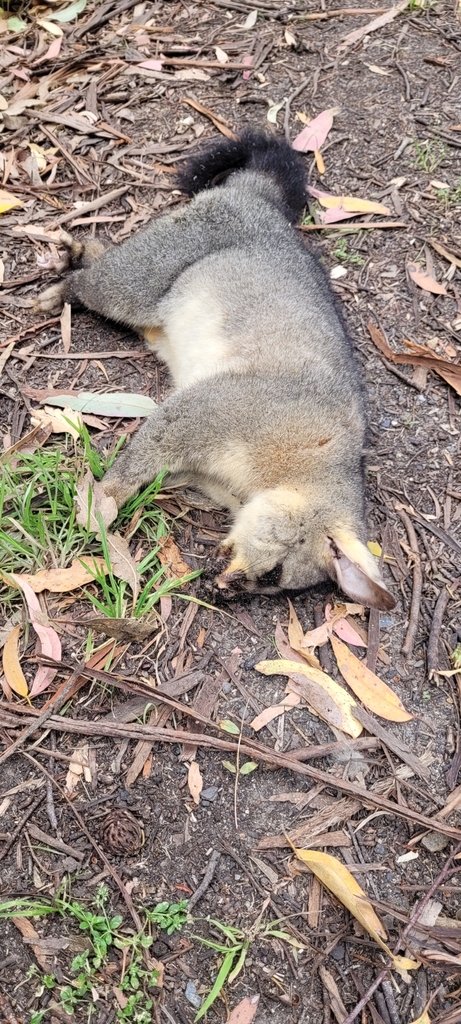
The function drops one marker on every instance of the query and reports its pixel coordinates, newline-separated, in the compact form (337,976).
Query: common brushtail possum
(267,414)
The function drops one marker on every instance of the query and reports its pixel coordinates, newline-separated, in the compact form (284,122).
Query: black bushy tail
(252,151)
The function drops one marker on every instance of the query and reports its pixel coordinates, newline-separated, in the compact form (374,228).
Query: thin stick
(207,880)
(53,706)
(95,204)
(434,635)
(417,585)
(413,920)
(355,227)
(254,750)
(100,853)
(286,122)
(402,376)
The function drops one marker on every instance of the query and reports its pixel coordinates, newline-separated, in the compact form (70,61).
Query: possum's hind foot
(80,255)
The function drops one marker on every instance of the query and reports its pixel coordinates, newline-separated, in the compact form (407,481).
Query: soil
(395,140)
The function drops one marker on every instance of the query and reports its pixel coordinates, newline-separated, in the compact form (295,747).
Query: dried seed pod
(121,833)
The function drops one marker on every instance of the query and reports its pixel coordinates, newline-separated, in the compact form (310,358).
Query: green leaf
(68,13)
(221,979)
(115,403)
(229,726)
(230,767)
(248,767)
(16,24)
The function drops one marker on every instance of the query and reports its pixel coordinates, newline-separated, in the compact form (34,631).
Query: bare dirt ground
(112,124)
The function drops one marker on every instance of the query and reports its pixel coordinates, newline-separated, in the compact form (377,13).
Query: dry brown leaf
(170,556)
(420,356)
(444,252)
(425,280)
(92,501)
(62,581)
(291,701)
(371,26)
(195,781)
(369,688)
(28,932)
(61,421)
(122,562)
(335,1001)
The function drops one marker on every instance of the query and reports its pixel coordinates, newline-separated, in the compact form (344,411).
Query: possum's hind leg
(80,254)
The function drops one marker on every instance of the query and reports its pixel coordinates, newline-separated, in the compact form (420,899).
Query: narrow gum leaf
(50,644)
(376,695)
(339,880)
(11,666)
(342,701)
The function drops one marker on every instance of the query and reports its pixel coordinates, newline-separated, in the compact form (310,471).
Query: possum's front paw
(51,300)
(118,487)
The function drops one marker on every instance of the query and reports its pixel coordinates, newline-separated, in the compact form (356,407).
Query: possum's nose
(232,582)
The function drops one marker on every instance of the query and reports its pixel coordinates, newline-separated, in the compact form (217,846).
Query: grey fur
(273,425)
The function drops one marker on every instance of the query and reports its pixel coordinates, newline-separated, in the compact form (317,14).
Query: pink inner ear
(357,585)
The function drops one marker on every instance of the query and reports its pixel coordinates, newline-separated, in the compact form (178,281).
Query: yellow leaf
(61,581)
(371,690)
(354,204)
(338,879)
(295,629)
(329,693)
(11,667)
(423,1019)
(319,161)
(8,201)
(375,548)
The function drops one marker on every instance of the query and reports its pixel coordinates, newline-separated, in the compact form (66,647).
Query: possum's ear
(356,572)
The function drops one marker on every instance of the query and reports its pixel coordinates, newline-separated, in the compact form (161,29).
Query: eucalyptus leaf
(68,13)
(248,767)
(115,403)
(229,726)
(16,24)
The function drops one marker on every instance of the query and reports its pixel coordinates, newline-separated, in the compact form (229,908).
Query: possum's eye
(272,577)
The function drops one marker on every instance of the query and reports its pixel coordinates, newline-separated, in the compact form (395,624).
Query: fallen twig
(353,227)
(252,748)
(434,635)
(51,707)
(95,204)
(206,881)
(19,827)
(417,584)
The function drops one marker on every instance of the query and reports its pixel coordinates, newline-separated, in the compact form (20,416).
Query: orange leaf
(245,1012)
(170,555)
(371,690)
(195,782)
(61,581)
(11,667)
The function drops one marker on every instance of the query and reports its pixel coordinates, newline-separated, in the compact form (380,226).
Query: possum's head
(280,541)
